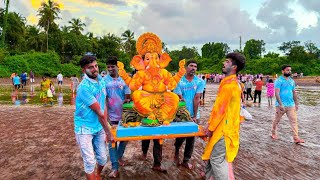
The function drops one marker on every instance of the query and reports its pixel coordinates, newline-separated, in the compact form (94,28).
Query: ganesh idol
(152,84)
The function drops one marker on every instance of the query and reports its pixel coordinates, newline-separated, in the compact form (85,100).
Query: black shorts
(59,82)
(17,86)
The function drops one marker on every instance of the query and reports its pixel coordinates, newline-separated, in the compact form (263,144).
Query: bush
(4,72)
(3,54)
(68,70)
(40,63)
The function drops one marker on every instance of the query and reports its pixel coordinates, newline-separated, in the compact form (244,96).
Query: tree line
(47,48)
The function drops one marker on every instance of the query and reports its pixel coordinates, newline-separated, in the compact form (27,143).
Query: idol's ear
(137,63)
(164,60)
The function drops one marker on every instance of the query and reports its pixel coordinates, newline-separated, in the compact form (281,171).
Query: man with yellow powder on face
(224,122)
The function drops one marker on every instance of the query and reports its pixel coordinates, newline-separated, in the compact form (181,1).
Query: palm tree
(16,30)
(48,12)
(129,44)
(33,38)
(164,47)
(76,26)
(6,2)
(127,35)
(64,29)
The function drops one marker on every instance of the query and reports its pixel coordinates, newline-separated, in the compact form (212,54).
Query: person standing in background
(270,91)
(257,92)
(117,94)
(74,83)
(248,87)
(286,103)
(31,76)
(59,80)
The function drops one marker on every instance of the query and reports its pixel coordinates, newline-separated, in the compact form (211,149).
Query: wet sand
(38,143)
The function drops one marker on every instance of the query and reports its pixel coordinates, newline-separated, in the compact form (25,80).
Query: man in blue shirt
(117,93)
(16,81)
(90,118)
(189,89)
(24,79)
(286,103)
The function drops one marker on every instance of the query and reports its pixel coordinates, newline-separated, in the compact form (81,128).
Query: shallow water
(29,95)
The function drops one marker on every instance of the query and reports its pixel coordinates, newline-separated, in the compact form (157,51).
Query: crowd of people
(47,88)
(99,99)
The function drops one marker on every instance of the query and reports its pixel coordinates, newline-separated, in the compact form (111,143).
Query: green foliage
(15,31)
(264,65)
(125,59)
(254,49)
(184,53)
(76,26)
(287,46)
(272,55)
(207,65)
(102,66)
(40,63)
(4,71)
(215,50)
(68,70)
(3,54)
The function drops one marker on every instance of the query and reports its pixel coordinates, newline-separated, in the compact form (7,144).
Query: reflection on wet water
(30,95)
(309,95)
(60,99)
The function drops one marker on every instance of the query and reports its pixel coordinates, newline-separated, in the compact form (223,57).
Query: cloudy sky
(192,22)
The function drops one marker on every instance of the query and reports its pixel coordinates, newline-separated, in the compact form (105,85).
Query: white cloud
(313,5)
(195,21)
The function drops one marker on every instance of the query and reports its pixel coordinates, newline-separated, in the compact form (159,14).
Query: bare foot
(274,137)
(121,162)
(187,165)
(159,168)
(176,160)
(113,174)
(298,140)
(143,157)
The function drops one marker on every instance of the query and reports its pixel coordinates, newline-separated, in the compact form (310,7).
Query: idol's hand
(121,71)
(120,65)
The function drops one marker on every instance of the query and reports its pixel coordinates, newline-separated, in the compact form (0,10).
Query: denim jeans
(116,153)
(93,148)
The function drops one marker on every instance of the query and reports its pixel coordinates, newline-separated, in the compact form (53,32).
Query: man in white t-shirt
(59,79)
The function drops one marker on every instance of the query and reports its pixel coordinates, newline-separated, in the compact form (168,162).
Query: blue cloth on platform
(173,128)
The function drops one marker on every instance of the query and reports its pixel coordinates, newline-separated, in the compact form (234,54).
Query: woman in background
(270,91)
